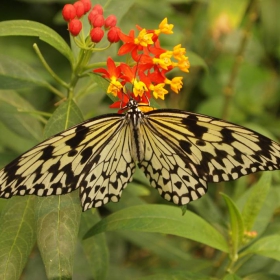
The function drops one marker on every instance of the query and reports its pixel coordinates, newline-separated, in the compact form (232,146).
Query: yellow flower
(114,86)
(175,84)
(183,64)
(139,88)
(158,90)
(164,60)
(179,53)
(164,28)
(144,39)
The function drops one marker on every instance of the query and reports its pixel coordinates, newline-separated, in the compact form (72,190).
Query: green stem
(95,65)
(48,68)
(83,59)
(240,262)
(37,114)
(54,90)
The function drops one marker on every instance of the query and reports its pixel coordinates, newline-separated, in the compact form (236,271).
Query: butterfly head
(132,104)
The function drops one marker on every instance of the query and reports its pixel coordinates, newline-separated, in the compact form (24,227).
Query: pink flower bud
(75,26)
(113,34)
(110,21)
(96,34)
(68,12)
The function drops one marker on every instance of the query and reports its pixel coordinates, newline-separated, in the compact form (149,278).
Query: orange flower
(148,76)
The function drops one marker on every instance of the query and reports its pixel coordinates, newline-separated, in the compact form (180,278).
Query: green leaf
(177,275)
(94,246)
(17,236)
(268,246)
(232,277)
(162,219)
(66,115)
(262,276)
(236,226)
(14,143)
(32,28)
(255,201)
(269,205)
(166,248)
(19,122)
(58,217)
(15,74)
(196,60)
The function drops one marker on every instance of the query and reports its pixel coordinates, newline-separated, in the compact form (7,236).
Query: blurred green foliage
(234,51)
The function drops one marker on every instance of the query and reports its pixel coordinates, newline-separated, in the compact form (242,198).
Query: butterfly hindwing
(216,150)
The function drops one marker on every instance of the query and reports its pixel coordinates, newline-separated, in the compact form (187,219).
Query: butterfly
(178,151)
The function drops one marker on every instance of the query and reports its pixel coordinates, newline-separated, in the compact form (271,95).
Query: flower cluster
(73,13)
(147,74)
(151,64)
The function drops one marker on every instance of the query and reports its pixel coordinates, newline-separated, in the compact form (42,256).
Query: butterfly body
(135,119)
(178,151)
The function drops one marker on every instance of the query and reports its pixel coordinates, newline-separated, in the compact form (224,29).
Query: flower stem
(48,68)
(37,114)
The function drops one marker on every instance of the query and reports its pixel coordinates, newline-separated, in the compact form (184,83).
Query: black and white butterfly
(178,151)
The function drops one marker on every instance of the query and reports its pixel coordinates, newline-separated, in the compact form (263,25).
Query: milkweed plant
(228,234)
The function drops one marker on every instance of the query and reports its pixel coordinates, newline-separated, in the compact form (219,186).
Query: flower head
(152,63)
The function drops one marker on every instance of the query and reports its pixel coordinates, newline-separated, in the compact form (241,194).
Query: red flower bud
(68,12)
(110,21)
(97,20)
(80,8)
(75,27)
(96,34)
(98,8)
(87,5)
(113,34)
(92,15)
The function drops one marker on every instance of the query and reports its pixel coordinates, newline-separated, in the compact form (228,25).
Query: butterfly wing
(108,172)
(187,150)
(167,167)
(59,164)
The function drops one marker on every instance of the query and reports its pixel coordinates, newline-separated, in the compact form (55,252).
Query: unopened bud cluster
(73,12)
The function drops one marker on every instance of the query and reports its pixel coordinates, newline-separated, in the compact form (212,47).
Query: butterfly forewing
(57,165)
(215,150)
